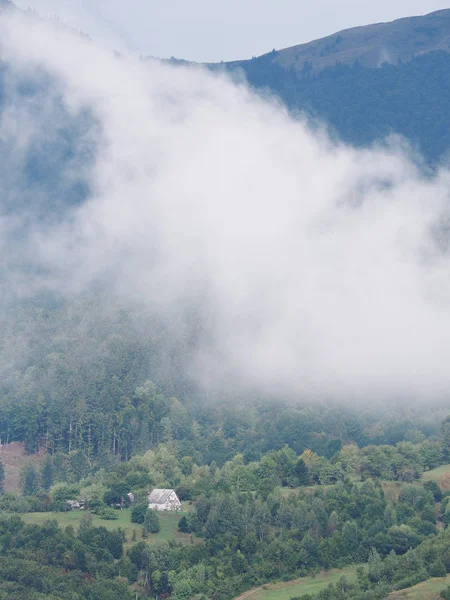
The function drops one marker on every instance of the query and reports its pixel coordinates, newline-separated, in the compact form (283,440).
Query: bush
(151,522)
(9,502)
(138,513)
(437,569)
(59,507)
(117,494)
(138,479)
(107,513)
(183,525)
(64,491)
(433,487)
(185,492)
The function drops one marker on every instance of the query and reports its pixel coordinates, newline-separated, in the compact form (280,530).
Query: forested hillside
(244,522)
(108,377)
(134,355)
(77,377)
(364,105)
(366,83)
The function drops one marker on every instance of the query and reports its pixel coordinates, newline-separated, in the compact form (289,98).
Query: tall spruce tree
(30,479)
(47,473)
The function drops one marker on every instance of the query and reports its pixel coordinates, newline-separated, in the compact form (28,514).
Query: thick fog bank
(308,268)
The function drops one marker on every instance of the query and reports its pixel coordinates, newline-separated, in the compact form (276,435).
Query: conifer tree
(47,473)
(30,479)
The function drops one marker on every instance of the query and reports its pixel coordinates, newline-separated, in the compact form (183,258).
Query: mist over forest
(229,282)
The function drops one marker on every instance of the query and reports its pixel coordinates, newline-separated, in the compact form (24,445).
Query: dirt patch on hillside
(444,482)
(250,594)
(427,590)
(14,458)
(406,596)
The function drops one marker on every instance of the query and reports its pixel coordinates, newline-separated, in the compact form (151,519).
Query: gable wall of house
(171,504)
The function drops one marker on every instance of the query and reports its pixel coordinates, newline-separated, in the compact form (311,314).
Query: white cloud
(312,266)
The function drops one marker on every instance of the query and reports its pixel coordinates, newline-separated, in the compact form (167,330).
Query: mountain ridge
(369,45)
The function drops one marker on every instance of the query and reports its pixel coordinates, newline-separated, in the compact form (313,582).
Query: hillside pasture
(440,475)
(427,590)
(298,587)
(168,521)
(14,458)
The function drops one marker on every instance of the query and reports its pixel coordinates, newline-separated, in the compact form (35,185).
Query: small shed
(164,500)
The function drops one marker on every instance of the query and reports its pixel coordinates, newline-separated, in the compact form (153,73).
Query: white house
(163,500)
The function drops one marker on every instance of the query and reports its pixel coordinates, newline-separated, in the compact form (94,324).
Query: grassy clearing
(441,475)
(428,590)
(168,521)
(306,585)
(286,492)
(435,474)
(392,489)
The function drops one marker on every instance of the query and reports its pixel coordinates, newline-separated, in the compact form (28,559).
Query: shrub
(446,593)
(437,569)
(183,525)
(151,522)
(107,513)
(138,513)
(64,491)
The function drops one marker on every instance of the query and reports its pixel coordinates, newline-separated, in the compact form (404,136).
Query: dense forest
(91,376)
(362,105)
(272,488)
(99,389)
(245,522)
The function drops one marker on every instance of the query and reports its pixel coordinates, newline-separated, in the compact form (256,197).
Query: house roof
(158,496)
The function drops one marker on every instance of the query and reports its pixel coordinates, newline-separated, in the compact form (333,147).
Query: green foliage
(29,479)
(117,494)
(257,531)
(183,525)
(64,491)
(47,473)
(138,513)
(86,523)
(447,515)
(151,521)
(45,562)
(365,105)
(10,502)
(77,465)
(437,569)
(107,513)
(93,495)
(246,469)
(301,472)
(433,487)
(138,479)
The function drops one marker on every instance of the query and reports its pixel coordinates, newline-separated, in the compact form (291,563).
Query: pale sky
(213,30)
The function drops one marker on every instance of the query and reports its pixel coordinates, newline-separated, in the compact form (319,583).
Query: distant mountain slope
(368,82)
(372,45)
(362,105)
